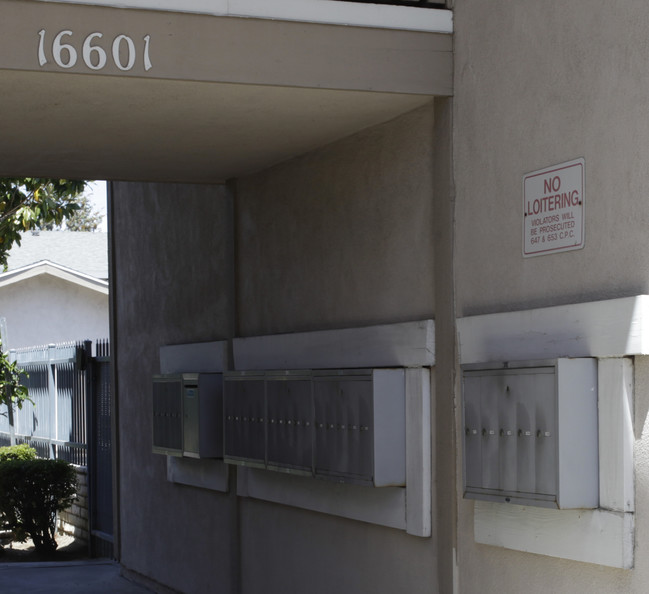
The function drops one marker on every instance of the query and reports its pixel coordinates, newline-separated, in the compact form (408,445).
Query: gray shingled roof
(80,251)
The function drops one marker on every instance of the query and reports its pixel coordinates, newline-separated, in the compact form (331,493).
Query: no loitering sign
(553,209)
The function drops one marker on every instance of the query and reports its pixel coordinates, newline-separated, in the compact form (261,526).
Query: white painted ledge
(385,506)
(409,344)
(380,16)
(206,474)
(597,536)
(198,357)
(613,328)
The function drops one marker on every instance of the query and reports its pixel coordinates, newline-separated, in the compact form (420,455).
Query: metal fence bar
(56,424)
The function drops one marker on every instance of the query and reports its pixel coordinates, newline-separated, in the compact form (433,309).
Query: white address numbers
(123,51)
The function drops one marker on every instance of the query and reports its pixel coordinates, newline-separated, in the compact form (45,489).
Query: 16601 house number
(122,51)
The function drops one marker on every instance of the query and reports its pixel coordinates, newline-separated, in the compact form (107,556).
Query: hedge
(31,494)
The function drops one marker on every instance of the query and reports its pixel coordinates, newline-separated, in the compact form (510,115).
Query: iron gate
(70,420)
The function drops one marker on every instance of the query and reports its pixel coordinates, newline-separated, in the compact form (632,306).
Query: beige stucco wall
(341,236)
(171,282)
(536,84)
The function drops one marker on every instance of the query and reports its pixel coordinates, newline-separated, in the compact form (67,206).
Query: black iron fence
(70,419)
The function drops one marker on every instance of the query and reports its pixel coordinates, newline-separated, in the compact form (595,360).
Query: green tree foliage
(12,392)
(30,202)
(85,218)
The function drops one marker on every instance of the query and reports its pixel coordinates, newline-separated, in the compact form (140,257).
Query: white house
(55,289)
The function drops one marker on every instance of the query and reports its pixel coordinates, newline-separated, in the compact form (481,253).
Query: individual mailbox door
(505,393)
(472,432)
(289,406)
(168,415)
(203,415)
(491,390)
(244,414)
(344,430)
(545,439)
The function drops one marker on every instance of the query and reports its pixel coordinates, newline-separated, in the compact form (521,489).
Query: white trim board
(197,357)
(613,328)
(408,344)
(598,536)
(311,11)
(385,506)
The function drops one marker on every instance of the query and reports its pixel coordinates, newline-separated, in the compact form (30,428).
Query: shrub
(31,494)
(17,452)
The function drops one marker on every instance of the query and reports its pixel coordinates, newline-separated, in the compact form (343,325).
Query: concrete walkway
(74,577)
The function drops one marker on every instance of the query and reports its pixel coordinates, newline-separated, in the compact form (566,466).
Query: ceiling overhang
(165,96)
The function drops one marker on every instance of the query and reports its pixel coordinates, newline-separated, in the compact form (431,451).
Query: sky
(96,192)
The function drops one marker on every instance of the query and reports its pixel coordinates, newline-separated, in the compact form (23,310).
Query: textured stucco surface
(341,236)
(291,550)
(538,84)
(171,286)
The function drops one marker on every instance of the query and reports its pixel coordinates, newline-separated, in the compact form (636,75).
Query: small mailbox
(531,433)
(289,406)
(187,415)
(244,417)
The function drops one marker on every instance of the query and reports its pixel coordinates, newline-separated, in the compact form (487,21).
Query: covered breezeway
(244,156)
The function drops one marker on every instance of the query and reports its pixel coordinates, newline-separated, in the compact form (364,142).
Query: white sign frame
(553,209)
